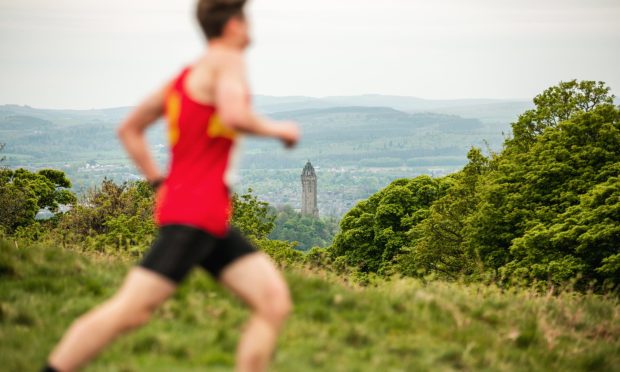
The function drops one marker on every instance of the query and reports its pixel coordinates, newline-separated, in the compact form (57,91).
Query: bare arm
(131,133)
(231,99)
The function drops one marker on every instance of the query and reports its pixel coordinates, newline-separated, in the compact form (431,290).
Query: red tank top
(196,191)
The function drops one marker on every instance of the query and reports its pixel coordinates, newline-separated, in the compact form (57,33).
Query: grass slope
(400,325)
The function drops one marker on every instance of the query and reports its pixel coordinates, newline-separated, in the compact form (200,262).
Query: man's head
(224,19)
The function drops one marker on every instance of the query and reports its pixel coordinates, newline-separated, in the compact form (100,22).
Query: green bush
(112,216)
(318,257)
(283,253)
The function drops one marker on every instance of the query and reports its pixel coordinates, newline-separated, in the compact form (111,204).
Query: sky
(95,54)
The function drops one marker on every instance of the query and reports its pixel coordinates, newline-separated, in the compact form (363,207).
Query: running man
(207,108)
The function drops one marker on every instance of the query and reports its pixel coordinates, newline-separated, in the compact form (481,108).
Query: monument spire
(309,189)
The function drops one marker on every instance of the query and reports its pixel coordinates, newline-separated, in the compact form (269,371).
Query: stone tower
(308,195)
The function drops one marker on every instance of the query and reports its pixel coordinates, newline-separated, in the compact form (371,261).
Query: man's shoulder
(227,58)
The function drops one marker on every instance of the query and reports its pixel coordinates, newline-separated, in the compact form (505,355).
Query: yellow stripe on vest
(217,129)
(173,110)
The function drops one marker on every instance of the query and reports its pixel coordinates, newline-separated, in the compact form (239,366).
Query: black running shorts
(178,248)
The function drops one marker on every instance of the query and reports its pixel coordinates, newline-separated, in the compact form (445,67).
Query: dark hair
(214,14)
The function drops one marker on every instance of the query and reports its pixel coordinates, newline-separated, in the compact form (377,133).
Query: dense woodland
(544,211)
(306,231)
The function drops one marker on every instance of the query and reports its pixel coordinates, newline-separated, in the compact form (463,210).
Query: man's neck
(226,44)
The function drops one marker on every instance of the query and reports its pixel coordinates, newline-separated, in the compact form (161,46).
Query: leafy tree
(557,104)
(128,232)
(544,209)
(17,208)
(437,243)
(581,242)
(307,231)
(521,224)
(318,257)
(23,193)
(252,216)
(118,215)
(376,229)
(283,253)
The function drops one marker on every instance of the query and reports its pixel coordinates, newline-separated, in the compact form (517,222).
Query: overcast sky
(94,53)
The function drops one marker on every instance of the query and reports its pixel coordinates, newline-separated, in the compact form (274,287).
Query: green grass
(397,325)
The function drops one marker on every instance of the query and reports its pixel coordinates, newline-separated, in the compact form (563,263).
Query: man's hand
(289,133)
(156,183)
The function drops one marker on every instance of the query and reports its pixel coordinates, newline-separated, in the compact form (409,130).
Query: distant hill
(379,121)
(483,109)
(487,110)
(383,136)
(405,103)
(270,104)
(67,117)
(497,112)
(335,135)
(23,122)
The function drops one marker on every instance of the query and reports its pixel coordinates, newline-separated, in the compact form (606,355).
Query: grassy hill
(397,325)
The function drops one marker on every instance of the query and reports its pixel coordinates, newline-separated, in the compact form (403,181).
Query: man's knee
(276,304)
(139,318)
(131,315)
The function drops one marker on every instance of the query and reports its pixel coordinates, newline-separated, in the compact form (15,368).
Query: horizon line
(26,105)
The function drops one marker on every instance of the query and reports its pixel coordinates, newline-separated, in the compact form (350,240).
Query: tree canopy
(545,209)
(252,216)
(23,193)
(306,231)
(375,230)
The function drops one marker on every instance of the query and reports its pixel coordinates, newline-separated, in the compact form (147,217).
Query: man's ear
(233,26)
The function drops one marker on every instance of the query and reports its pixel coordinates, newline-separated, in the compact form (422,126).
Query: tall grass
(394,325)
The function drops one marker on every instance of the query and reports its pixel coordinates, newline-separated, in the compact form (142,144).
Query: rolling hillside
(337,325)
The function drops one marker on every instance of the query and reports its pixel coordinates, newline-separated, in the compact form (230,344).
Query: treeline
(306,231)
(544,211)
(112,218)
(108,218)
(24,193)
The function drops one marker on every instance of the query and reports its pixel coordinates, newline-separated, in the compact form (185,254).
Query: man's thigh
(145,288)
(255,279)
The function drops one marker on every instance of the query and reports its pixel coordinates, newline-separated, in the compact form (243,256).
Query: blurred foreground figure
(207,107)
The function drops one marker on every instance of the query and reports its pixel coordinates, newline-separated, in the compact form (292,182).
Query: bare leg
(131,307)
(255,279)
